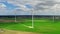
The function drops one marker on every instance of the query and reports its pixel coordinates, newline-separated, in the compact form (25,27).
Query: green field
(41,25)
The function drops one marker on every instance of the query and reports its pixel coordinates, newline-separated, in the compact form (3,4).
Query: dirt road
(15,32)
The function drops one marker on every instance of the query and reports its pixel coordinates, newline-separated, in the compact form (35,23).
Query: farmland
(41,25)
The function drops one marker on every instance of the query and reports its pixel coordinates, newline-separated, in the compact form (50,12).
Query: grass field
(41,26)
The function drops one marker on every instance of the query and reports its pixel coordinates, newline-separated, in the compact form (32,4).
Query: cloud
(41,7)
(2,5)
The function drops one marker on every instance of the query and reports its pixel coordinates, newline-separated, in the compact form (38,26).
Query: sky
(26,7)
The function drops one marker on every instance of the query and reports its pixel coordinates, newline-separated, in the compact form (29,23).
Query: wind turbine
(27,7)
(30,7)
(54,8)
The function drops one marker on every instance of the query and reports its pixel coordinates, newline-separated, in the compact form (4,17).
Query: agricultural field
(41,25)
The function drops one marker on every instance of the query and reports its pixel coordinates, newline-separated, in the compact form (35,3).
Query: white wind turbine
(32,11)
(55,9)
(29,8)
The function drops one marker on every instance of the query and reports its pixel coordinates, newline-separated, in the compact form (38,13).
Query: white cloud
(41,7)
(57,0)
(2,5)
